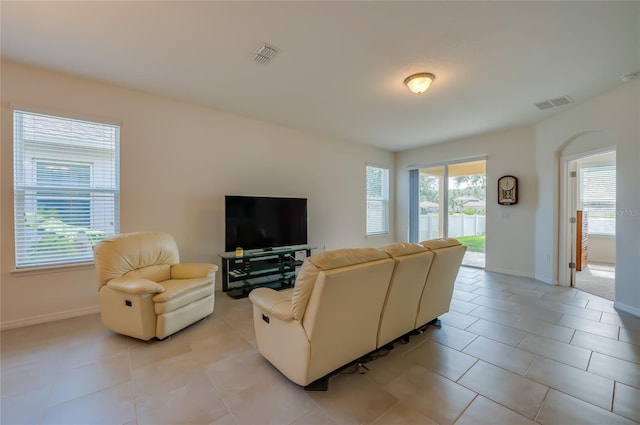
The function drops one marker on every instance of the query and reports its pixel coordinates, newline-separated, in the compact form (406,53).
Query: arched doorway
(587,213)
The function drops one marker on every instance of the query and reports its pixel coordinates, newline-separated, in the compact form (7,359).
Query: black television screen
(259,222)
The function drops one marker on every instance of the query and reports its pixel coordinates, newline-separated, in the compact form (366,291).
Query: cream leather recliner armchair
(329,318)
(144,291)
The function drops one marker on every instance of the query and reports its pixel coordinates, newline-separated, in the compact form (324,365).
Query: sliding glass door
(432,215)
(451,202)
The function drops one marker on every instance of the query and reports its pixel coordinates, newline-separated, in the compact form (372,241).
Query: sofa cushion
(156,273)
(440,243)
(398,249)
(302,290)
(175,288)
(181,299)
(120,254)
(135,286)
(276,303)
(191,270)
(326,260)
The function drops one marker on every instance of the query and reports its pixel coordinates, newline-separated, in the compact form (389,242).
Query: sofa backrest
(148,255)
(344,304)
(413,262)
(438,290)
(326,260)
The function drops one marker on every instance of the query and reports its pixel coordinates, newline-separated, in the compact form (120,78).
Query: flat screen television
(261,222)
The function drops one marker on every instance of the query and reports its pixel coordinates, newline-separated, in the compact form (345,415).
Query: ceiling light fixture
(630,77)
(419,83)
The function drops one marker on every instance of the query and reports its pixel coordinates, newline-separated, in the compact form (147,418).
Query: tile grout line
(524,375)
(224,401)
(383,413)
(613,396)
(544,399)
(133,384)
(466,408)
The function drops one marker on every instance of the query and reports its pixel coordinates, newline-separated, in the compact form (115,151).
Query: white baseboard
(545,279)
(538,277)
(626,308)
(52,317)
(510,272)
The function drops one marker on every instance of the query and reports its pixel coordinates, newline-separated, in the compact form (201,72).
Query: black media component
(275,269)
(260,222)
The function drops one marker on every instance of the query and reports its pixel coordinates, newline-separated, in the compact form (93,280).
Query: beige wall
(602,249)
(177,163)
(179,160)
(526,242)
(616,116)
(509,228)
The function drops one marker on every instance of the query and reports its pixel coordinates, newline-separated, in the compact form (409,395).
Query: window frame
(89,149)
(384,201)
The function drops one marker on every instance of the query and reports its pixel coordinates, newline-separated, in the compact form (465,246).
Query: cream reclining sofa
(347,303)
(329,318)
(144,291)
(438,289)
(405,291)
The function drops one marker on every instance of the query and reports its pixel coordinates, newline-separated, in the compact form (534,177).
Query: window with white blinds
(377,200)
(66,188)
(598,198)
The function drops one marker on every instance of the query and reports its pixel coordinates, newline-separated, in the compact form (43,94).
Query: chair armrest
(272,302)
(135,285)
(192,270)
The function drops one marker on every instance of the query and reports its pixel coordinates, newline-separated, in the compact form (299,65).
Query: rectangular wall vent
(552,103)
(264,53)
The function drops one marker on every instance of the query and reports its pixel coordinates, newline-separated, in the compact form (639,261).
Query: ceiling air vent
(264,54)
(552,103)
(544,105)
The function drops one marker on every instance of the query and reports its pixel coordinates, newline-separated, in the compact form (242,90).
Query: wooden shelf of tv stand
(261,268)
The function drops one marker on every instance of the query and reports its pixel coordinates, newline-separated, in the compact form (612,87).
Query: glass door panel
(466,218)
(451,202)
(431,201)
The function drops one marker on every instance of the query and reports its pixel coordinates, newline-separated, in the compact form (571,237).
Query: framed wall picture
(507,190)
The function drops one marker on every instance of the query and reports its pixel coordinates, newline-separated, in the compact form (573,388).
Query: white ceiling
(341,64)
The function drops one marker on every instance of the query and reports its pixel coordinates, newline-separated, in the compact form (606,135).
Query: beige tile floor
(510,351)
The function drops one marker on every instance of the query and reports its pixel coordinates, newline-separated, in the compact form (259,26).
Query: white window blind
(377,200)
(598,198)
(66,188)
